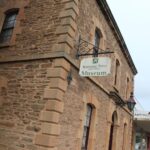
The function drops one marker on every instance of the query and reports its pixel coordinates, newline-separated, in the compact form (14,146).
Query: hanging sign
(97,66)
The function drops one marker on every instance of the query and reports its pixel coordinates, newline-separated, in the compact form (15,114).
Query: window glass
(97,38)
(8,26)
(116,71)
(127,88)
(86,127)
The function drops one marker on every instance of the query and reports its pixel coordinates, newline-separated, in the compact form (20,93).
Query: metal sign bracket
(85,48)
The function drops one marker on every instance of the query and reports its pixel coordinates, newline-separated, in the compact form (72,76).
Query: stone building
(44,103)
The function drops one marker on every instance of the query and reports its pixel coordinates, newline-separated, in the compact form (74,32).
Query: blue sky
(133,19)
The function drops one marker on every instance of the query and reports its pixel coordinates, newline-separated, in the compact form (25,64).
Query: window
(127,88)
(87,123)
(96,42)
(116,71)
(113,132)
(124,136)
(97,38)
(8,26)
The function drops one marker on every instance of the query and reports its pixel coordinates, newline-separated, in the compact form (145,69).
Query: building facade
(142,130)
(44,103)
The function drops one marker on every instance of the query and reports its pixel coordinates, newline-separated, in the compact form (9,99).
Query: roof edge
(109,16)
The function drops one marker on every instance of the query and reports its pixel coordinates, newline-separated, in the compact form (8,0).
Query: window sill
(3,45)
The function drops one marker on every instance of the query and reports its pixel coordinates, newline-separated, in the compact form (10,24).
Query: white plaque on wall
(97,66)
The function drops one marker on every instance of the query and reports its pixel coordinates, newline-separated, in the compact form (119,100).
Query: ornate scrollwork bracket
(85,48)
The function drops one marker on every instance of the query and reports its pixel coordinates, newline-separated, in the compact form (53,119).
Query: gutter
(110,18)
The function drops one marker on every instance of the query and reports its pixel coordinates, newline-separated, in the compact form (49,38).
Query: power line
(139,104)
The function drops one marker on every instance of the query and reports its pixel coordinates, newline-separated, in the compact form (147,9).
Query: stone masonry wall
(78,95)
(31,103)
(82,91)
(32,93)
(91,16)
(39,109)
(22,103)
(38,22)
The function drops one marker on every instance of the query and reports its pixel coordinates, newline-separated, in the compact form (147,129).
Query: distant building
(44,103)
(142,130)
